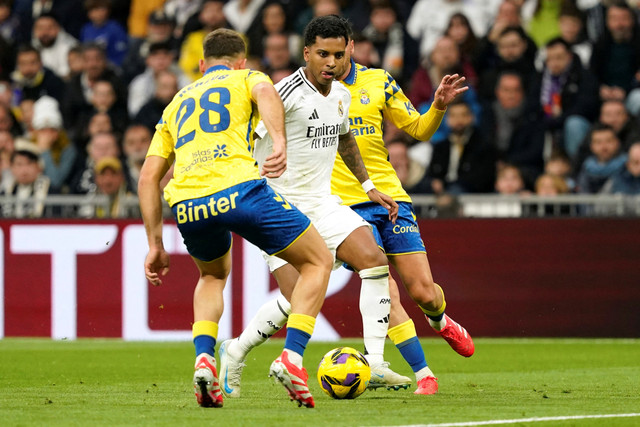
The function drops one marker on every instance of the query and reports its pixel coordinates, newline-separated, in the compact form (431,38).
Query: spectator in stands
(316,8)
(243,14)
(210,17)
(410,172)
(616,56)
(151,112)
(104,31)
(160,31)
(56,150)
(614,114)
(509,181)
(550,185)
(277,55)
(76,62)
(103,100)
(444,59)
(387,35)
(135,145)
(514,130)
(139,19)
(6,150)
(274,21)
(465,161)
(98,123)
(513,54)
(559,164)
(27,183)
(79,90)
(508,16)
(8,121)
(627,181)
(53,43)
(606,160)
(31,80)
(10,27)
(567,94)
(110,181)
(543,25)
(180,11)
(459,29)
(429,18)
(70,14)
(100,146)
(364,52)
(143,87)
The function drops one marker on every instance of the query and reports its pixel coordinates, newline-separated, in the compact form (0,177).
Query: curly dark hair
(326,27)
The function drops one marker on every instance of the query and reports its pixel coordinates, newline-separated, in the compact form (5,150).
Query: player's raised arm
(350,153)
(424,126)
(149,193)
(272,114)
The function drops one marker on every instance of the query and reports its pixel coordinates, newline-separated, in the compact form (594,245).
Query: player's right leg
(311,258)
(208,304)
(268,320)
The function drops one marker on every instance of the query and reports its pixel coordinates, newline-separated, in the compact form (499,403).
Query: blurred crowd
(553,105)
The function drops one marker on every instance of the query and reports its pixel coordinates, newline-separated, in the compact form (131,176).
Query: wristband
(368,186)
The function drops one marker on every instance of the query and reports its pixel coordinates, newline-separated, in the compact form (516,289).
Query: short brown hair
(223,43)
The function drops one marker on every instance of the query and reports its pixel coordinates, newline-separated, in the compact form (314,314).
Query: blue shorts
(400,238)
(250,209)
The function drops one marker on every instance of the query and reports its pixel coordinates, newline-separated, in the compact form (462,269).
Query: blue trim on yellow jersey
(216,68)
(351,77)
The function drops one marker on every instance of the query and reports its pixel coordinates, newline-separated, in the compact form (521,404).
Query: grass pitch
(110,382)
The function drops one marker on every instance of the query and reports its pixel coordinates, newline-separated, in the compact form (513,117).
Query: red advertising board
(502,277)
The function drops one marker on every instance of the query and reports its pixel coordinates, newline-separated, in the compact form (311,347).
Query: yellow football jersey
(374,95)
(208,126)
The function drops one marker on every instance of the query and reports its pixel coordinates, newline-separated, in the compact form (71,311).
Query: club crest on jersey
(364,97)
(340,108)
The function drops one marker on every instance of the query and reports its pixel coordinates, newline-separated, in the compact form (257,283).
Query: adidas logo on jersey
(314,116)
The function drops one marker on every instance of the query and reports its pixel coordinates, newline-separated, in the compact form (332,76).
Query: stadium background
(504,277)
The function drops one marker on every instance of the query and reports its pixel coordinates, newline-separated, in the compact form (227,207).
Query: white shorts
(333,221)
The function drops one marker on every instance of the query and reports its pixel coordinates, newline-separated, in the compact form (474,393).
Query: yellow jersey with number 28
(208,127)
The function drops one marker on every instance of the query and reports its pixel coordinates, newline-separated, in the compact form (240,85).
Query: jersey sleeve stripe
(288,89)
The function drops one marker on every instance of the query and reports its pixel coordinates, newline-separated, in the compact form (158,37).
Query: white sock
(375,305)
(295,358)
(269,319)
(424,372)
(438,326)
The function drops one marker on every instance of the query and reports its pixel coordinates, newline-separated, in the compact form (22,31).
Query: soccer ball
(344,373)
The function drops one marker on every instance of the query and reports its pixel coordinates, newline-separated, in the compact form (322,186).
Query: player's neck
(323,89)
(346,73)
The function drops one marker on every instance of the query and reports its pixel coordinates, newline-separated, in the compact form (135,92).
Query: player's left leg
(402,332)
(415,273)
(208,305)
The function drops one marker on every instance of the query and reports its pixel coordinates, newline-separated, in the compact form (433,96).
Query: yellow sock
(402,332)
(438,312)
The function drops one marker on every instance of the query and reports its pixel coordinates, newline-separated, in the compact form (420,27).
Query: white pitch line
(526,420)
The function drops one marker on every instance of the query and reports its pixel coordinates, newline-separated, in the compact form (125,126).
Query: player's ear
(306,53)
(350,47)
(240,63)
(202,66)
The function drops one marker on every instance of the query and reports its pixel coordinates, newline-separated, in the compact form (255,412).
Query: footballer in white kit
(313,123)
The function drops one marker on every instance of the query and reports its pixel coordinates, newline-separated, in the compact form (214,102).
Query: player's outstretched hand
(386,202)
(155,264)
(450,87)
(276,163)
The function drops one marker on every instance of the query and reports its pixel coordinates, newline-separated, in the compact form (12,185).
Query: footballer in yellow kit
(376,95)
(208,127)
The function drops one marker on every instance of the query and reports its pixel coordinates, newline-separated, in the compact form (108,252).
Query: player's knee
(372,258)
(423,293)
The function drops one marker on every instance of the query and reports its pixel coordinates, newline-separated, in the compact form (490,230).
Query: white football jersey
(313,124)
